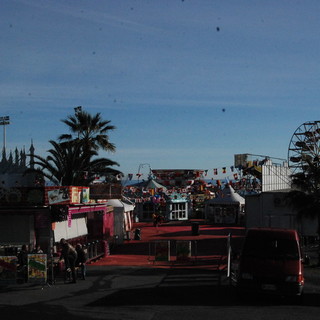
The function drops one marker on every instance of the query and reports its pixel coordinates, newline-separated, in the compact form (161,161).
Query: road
(152,293)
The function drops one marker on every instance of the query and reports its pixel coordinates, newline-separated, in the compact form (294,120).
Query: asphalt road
(152,293)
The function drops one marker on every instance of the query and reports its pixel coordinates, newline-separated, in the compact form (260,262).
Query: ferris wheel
(304,146)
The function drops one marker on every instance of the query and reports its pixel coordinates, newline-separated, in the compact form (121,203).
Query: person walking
(155,219)
(69,254)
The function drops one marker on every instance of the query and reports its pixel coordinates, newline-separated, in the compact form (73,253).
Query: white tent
(229,196)
(123,218)
(150,184)
(226,208)
(116,203)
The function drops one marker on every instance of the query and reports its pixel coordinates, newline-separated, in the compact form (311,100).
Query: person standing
(37,250)
(23,262)
(81,260)
(23,256)
(69,254)
(155,219)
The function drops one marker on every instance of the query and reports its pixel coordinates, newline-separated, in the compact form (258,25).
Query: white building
(271,209)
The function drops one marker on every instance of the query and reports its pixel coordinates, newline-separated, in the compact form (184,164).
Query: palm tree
(67,164)
(305,195)
(91,130)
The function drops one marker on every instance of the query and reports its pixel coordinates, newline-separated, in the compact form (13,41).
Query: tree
(305,195)
(67,164)
(74,160)
(92,131)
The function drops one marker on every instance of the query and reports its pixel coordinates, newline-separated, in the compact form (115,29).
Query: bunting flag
(231,169)
(189,175)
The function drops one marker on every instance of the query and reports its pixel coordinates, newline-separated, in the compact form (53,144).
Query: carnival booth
(148,197)
(101,223)
(79,220)
(123,219)
(177,206)
(226,208)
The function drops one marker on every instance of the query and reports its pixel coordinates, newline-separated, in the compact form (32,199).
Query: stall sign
(183,250)
(162,251)
(37,268)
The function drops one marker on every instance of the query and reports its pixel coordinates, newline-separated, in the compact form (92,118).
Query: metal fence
(96,249)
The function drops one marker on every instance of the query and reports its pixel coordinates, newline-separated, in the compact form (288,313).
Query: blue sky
(188,84)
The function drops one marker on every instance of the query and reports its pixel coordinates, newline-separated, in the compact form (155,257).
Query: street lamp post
(3,122)
(141,166)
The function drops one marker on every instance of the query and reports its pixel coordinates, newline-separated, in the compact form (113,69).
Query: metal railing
(95,250)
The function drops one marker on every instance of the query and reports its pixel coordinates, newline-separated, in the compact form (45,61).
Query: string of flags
(224,171)
(242,166)
(215,171)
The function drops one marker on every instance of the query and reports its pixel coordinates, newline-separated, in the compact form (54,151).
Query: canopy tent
(116,203)
(150,184)
(226,208)
(229,196)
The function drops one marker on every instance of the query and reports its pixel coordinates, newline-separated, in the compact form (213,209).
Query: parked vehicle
(271,262)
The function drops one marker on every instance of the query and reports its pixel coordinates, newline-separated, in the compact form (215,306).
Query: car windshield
(271,248)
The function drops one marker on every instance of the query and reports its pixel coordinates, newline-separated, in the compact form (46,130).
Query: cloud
(83,11)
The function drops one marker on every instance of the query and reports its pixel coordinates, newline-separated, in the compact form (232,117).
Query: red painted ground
(207,247)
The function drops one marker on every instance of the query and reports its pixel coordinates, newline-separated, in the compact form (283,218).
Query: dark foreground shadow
(203,295)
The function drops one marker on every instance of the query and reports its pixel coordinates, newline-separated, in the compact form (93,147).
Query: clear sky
(187,83)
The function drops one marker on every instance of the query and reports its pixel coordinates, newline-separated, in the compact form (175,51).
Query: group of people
(73,257)
(22,256)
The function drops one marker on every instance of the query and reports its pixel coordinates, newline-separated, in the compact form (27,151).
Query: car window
(271,248)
